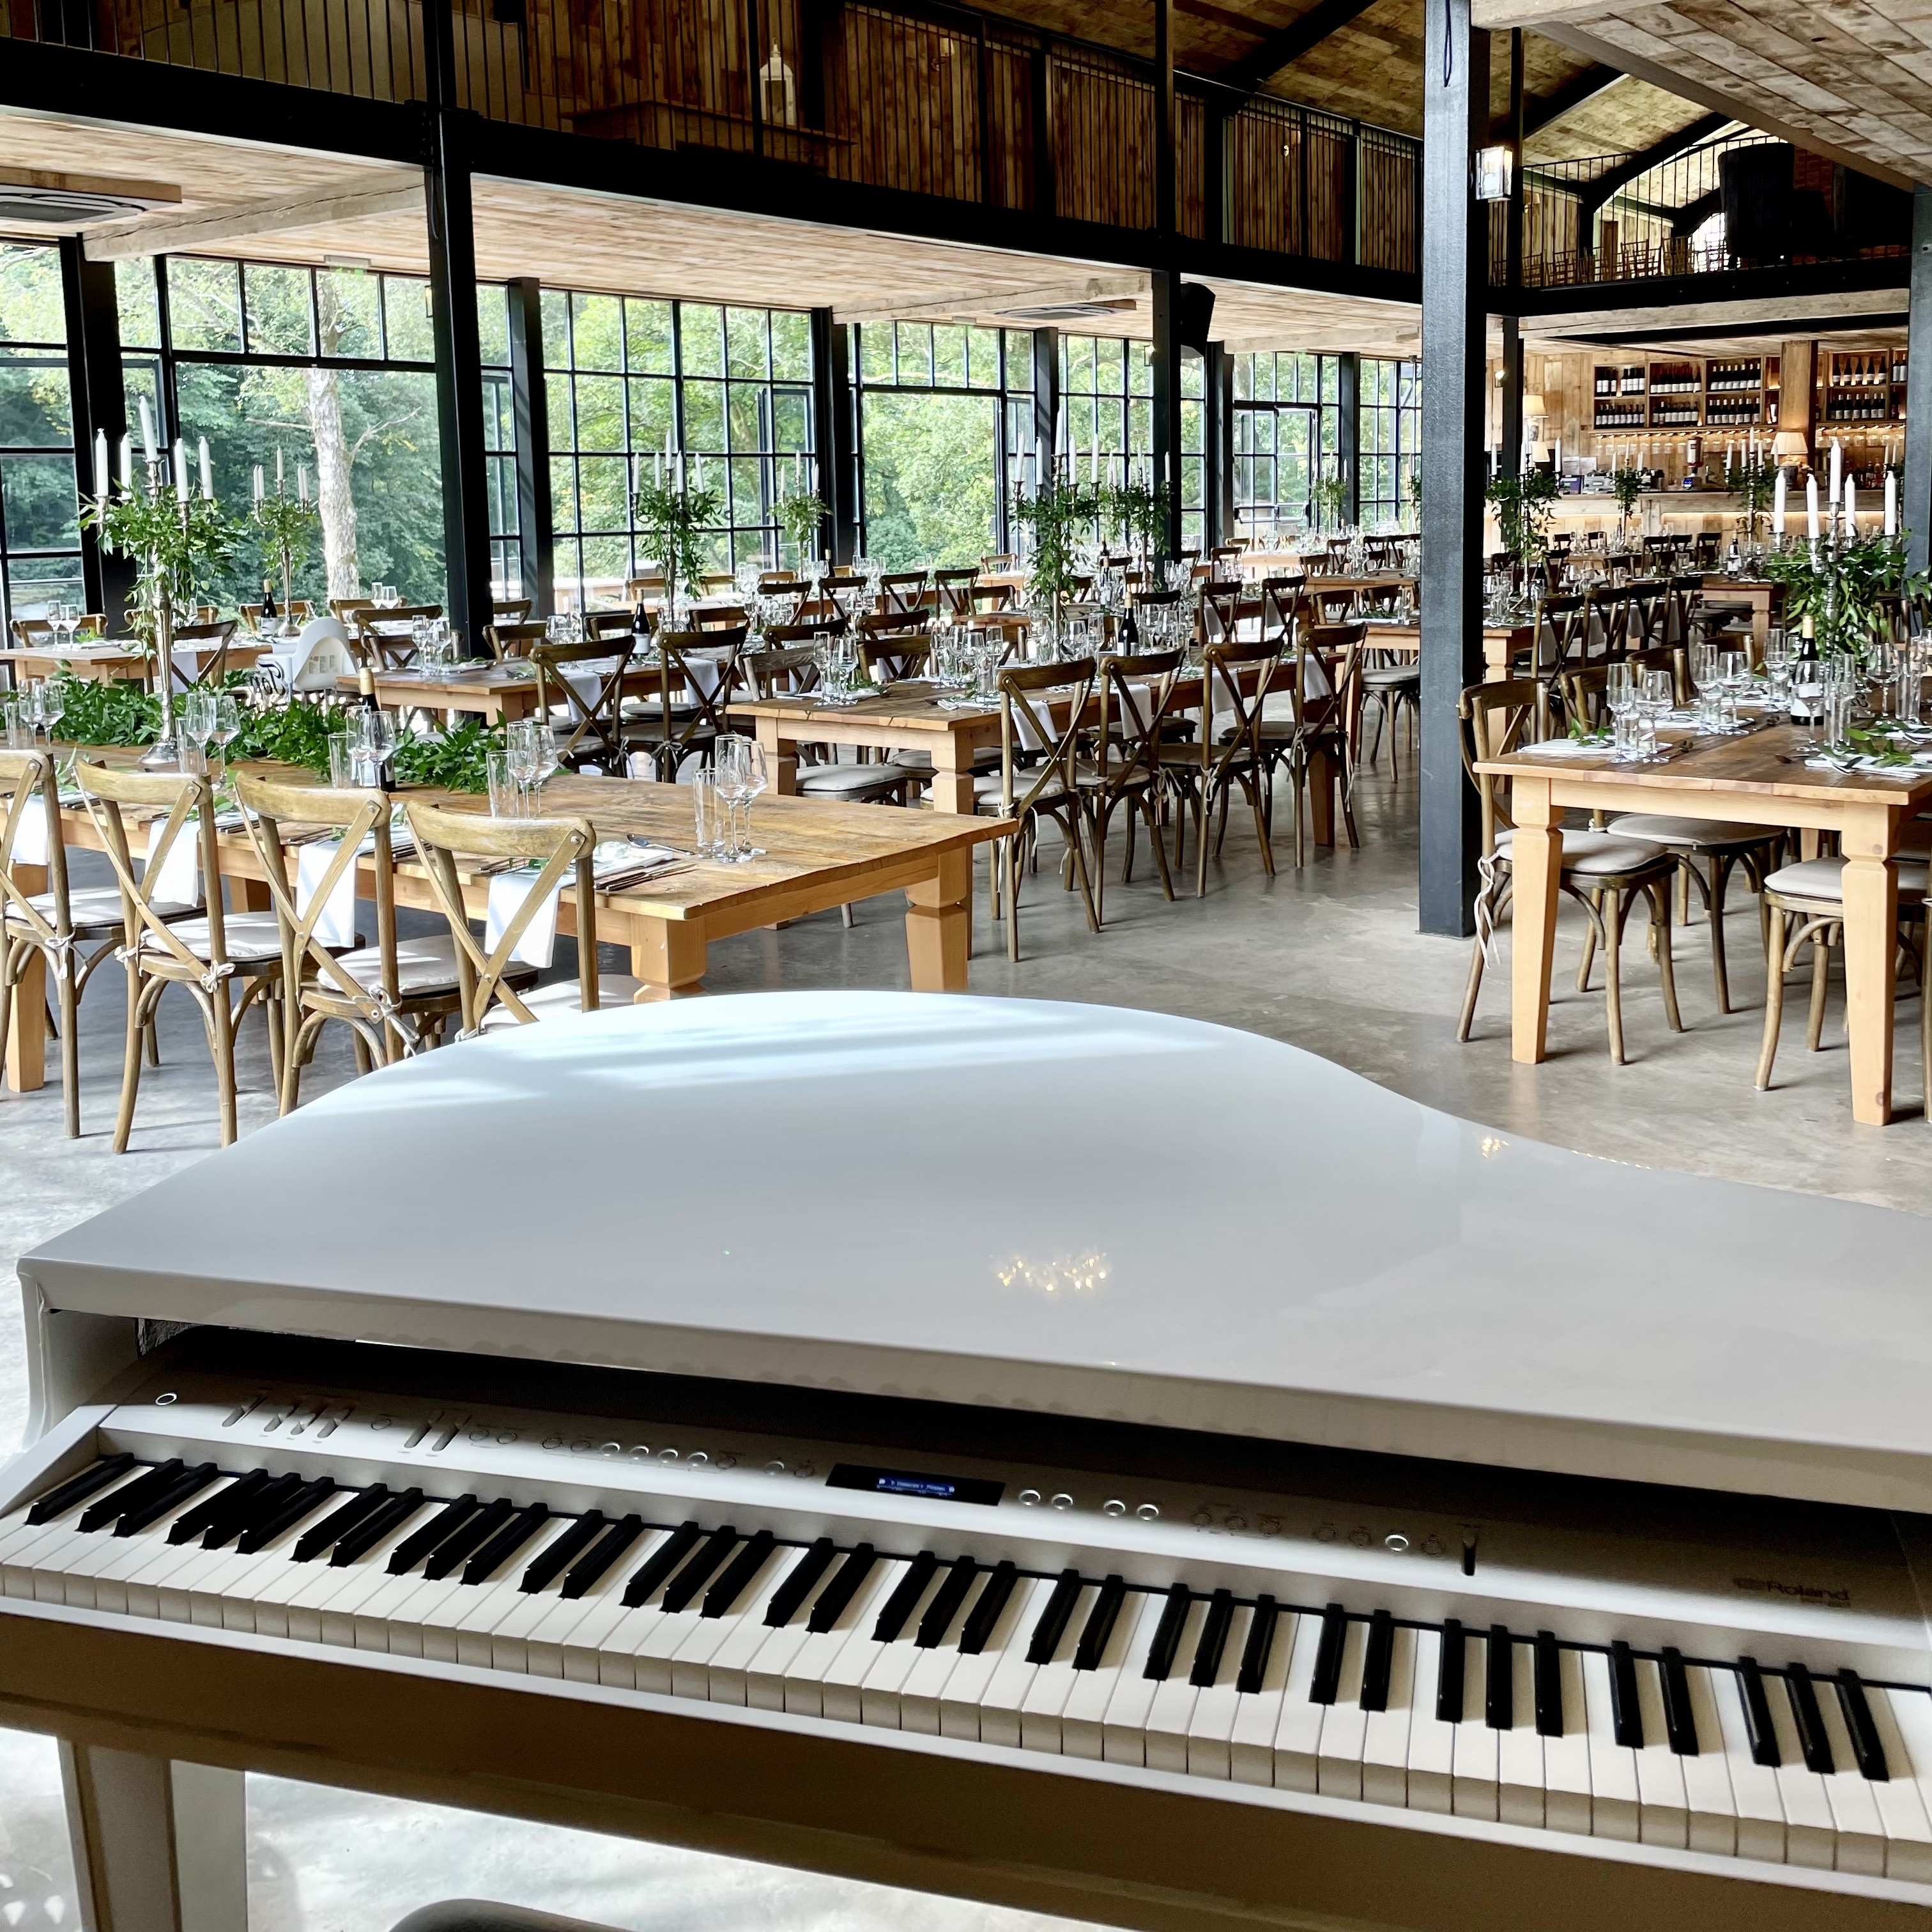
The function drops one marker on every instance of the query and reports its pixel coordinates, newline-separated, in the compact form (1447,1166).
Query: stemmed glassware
(226,724)
(838,663)
(1733,681)
(531,746)
(372,741)
(41,705)
(1778,668)
(64,620)
(738,764)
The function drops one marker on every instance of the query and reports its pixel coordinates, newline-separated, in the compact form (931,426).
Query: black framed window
(1106,401)
(1389,429)
(1287,427)
(40,529)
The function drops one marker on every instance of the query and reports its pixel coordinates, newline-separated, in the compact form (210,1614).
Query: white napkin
(508,891)
(180,870)
(1567,747)
(30,835)
(336,924)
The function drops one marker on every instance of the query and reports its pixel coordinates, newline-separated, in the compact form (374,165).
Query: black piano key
(1100,1620)
(465,1538)
(1813,1738)
(1758,1727)
(264,1530)
(232,1500)
(189,1482)
(131,1496)
(229,1520)
(1214,1641)
(1053,1620)
(662,1561)
(1626,1717)
(582,1575)
(356,1511)
(1255,1651)
(414,1547)
(1680,1721)
(723,1595)
(899,1605)
(1327,1683)
(1499,1680)
(945,1605)
(1867,1748)
(1167,1633)
(1549,1687)
(699,1568)
(798,1583)
(1449,1675)
(78,1489)
(832,1601)
(374,1530)
(543,1570)
(507,1541)
(1378,1661)
(986,1611)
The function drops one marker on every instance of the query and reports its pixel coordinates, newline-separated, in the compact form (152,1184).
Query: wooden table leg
(248,895)
(951,788)
(1536,869)
(780,758)
(939,925)
(1871,964)
(1323,775)
(668,956)
(26,1069)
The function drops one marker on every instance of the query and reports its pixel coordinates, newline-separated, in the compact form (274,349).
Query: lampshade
(1790,443)
(1533,404)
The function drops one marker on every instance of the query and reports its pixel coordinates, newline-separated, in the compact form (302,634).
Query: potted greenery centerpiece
(1522,505)
(1840,584)
(285,524)
(1627,485)
(801,515)
(1138,513)
(1055,516)
(1331,501)
(1755,485)
(671,520)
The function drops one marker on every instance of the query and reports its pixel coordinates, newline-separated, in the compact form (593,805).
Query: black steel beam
(529,401)
(1349,431)
(1164,182)
(1166,359)
(1217,444)
(1509,435)
(833,441)
(1287,44)
(99,403)
(1455,269)
(1782,330)
(1783,283)
(1917,511)
(1540,110)
(1596,193)
(1045,397)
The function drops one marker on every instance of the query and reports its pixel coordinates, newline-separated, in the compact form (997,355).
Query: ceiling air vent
(63,207)
(1069,311)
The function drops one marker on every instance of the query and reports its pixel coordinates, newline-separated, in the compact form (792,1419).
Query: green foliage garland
(801,514)
(670,523)
(178,541)
(1840,588)
(1058,514)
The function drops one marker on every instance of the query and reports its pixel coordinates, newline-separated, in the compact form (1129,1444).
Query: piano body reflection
(1076,1458)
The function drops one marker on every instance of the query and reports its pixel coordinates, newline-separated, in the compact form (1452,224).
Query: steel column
(834,443)
(1509,437)
(530,402)
(1217,444)
(1349,431)
(1166,293)
(100,403)
(1916,513)
(1046,396)
(1164,197)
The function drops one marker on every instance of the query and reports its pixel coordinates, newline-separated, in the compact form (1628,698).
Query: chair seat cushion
(1823,879)
(423,966)
(93,909)
(564,996)
(1693,831)
(859,782)
(251,938)
(986,789)
(1385,677)
(1597,853)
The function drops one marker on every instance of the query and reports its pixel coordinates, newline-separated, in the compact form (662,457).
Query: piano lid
(1074,1208)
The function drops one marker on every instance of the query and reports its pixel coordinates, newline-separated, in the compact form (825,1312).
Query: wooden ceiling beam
(384,191)
(1541,110)
(1596,193)
(1122,292)
(1286,45)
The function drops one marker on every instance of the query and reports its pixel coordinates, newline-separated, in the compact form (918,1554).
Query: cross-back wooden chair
(493,991)
(1649,599)
(381,639)
(347,611)
(600,625)
(890,657)
(719,617)
(219,632)
(953,590)
(1314,705)
(1038,778)
(1337,555)
(686,713)
(898,591)
(1236,678)
(781,670)
(165,945)
(1224,608)
(509,610)
(300,612)
(1140,696)
(989,597)
(587,730)
(513,640)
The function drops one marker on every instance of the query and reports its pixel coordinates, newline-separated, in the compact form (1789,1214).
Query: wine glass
(532,749)
(739,765)
(372,741)
(1733,680)
(49,698)
(226,725)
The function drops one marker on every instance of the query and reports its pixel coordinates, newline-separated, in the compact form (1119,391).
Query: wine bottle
(385,775)
(269,614)
(1130,630)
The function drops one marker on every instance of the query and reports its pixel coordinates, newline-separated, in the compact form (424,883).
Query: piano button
(691,1662)
(1755,1795)
(1376,1654)
(611,1547)
(164,1501)
(1099,1628)
(227,1500)
(1499,1679)
(936,1624)
(1680,1723)
(1263,1630)
(988,1606)
(132,1495)
(892,1663)
(749,1632)
(1453,1663)
(1058,1607)
(1626,1716)
(658,1566)
(544,1568)
(1165,1642)
(1708,1801)
(64,1496)
(723,1595)
(374,1531)
(1206,1666)
(468,1537)
(1326,1679)
(1867,1751)
(1904,1721)
(964,1703)
(847,1582)
(801,1688)
(1813,1741)
(1520,1775)
(1853,1797)
(1044,1699)
(295,1508)
(1161,1739)
(1258,1710)
(698,1569)
(1297,1735)
(906,1595)
(1385,1735)
(1549,1686)
(356,1511)
(498,1548)
(1664,1816)
(1473,1792)
(1082,1723)
(1755,1701)
(421,1542)
(1338,1753)
(1613,1792)
(789,1596)
(1566,1754)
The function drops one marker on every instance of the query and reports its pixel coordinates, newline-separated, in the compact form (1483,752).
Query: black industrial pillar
(530,402)
(93,382)
(1045,399)
(1509,437)
(1217,444)
(1348,432)
(1510,434)
(1163,116)
(1166,294)
(1916,515)
(1455,275)
(833,441)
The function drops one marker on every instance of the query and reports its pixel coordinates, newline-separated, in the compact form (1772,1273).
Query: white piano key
(1664,1811)
(891,1664)
(838,1686)
(1567,1800)
(926,1682)
(1520,1785)
(166,1561)
(1123,1730)
(1385,1733)
(1809,1828)
(420,1625)
(359,1618)
(483,1608)
(1081,1723)
(1855,1814)
(572,1643)
(1171,1710)
(1473,1779)
(729,1674)
(997,1719)
(227,1578)
(37,1547)
(1211,1725)
(117,1559)
(290,1603)
(964,1703)
(1338,1753)
(1297,1735)
(1258,1713)
(1708,1796)
(1432,1743)
(801,1689)
(1904,1722)
(638,1654)
(1755,1795)
(1614,1812)
(691,1662)
(511,1635)
(1045,1701)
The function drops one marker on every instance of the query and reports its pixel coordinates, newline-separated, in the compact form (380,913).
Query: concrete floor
(1327,957)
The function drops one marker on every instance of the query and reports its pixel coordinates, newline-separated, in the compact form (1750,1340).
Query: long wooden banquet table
(115,664)
(1762,779)
(817,854)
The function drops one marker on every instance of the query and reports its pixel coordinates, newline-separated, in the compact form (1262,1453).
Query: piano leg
(157,1846)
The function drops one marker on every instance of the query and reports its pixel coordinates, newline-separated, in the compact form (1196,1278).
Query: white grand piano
(1073,1458)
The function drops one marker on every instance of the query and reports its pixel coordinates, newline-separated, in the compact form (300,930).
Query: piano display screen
(914,1483)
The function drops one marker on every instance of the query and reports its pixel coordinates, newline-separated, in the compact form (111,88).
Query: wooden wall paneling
(1190,164)
(1103,131)
(1010,93)
(1386,186)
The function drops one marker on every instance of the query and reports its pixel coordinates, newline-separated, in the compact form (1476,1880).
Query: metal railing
(917,95)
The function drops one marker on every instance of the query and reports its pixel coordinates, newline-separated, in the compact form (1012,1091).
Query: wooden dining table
(1758,778)
(816,854)
(907,718)
(116,663)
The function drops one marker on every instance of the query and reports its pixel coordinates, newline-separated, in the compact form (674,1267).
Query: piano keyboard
(861,1610)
